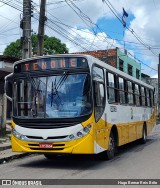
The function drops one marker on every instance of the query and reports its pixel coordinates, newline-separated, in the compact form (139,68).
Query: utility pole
(26,26)
(42,19)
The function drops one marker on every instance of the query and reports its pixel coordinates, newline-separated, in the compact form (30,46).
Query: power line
(112,8)
(83,16)
(107,2)
(13,5)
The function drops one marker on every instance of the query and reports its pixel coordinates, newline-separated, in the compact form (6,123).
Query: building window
(121,65)
(137,73)
(130,69)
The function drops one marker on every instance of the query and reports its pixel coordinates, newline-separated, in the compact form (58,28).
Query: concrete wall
(108,56)
(128,60)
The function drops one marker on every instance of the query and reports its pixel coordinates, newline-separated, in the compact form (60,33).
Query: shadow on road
(78,162)
(83,162)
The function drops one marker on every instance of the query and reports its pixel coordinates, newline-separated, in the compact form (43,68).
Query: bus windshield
(54,96)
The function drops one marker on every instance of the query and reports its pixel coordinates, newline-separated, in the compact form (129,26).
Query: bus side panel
(100,136)
(132,131)
(139,128)
(151,122)
(123,134)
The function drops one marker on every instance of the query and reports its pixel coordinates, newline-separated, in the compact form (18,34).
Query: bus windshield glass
(54,96)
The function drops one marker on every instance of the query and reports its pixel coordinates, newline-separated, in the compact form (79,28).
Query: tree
(13,50)
(52,45)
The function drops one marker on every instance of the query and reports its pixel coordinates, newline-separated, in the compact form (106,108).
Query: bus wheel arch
(114,130)
(112,143)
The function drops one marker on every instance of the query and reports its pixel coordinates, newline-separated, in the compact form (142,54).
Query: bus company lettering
(52,64)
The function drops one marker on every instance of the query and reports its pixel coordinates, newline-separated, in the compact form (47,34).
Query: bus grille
(50,137)
(53,149)
(56,147)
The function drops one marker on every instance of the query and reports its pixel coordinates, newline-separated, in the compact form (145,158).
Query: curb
(5,147)
(14,156)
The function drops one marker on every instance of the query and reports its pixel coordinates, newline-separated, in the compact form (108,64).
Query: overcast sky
(92,25)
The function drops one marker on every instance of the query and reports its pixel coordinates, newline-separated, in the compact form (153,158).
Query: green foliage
(52,45)
(13,50)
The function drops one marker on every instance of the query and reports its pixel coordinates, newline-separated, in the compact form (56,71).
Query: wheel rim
(144,134)
(111,144)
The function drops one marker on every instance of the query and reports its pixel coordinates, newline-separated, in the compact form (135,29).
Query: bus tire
(112,147)
(144,135)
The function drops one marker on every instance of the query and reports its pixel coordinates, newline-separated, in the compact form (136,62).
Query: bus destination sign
(51,64)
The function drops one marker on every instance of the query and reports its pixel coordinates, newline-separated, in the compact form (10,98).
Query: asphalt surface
(133,161)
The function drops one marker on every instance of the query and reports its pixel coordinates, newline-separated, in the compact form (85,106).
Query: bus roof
(92,60)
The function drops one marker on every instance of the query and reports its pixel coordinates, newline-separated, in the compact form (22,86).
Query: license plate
(45,145)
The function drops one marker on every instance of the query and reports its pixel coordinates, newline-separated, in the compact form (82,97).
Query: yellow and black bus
(77,104)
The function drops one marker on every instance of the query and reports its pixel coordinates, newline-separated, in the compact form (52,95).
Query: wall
(128,60)
(107,56)
(112,57)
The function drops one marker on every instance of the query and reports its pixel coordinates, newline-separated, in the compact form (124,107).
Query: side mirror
(8,86)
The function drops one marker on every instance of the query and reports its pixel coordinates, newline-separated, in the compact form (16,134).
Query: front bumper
(84,145)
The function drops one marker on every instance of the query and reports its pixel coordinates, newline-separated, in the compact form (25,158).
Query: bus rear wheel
(144,135)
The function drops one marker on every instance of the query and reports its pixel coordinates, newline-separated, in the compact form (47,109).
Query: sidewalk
(6,153)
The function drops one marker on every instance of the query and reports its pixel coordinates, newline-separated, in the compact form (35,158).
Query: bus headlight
(81,133)
(18,135)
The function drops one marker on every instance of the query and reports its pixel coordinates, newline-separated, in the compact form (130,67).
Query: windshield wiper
(56,86)
(52,93)
(62,80)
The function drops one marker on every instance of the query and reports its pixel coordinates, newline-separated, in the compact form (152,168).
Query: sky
(86,25)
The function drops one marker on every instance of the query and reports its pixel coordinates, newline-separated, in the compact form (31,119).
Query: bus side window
(143,96)
(147,97)
(130,93)
(111,88)
(122,92)
(137,94)
(99,92)
(151,98)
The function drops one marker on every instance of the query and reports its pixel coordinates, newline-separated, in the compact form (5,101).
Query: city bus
(76,104)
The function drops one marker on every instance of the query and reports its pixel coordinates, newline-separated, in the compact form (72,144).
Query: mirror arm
(9,98)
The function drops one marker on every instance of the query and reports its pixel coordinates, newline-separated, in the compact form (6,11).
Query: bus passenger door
(99,106)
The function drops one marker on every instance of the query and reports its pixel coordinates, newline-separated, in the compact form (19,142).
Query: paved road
(133,161)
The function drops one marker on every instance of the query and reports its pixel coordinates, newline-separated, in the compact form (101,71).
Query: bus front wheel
(111,147)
